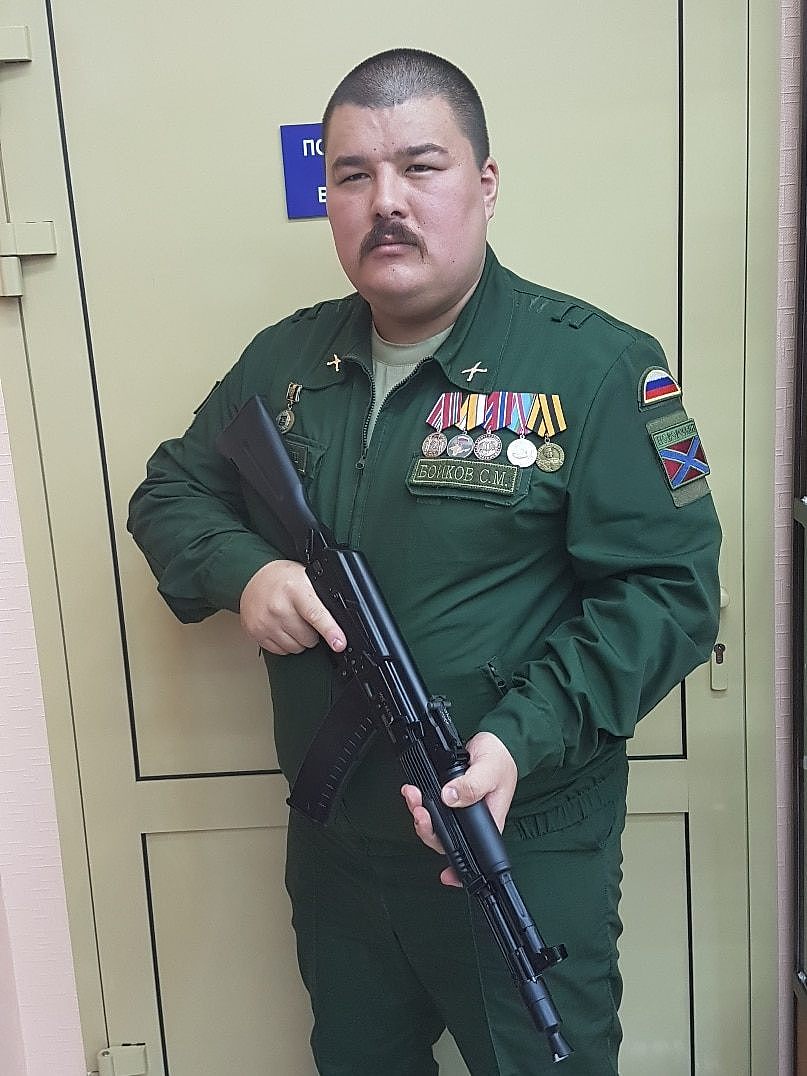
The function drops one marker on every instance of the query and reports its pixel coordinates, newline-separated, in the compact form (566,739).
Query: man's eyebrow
(357,160)
(419,151)
(347,161)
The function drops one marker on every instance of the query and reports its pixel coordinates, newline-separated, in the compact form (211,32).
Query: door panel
(223,946)
(623,181)
(190,187)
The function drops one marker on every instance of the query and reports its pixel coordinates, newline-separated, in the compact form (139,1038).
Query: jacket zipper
(361,461)
(499,681)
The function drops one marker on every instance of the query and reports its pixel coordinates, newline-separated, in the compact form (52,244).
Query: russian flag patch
(656,386)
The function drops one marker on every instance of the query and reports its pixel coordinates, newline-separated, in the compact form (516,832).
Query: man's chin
(395,289)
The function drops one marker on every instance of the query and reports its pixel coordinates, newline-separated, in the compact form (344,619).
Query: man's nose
(388,196)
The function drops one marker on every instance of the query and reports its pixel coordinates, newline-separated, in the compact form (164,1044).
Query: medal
(498,410)
(285,420)
(434,445)
(522,452)
(488,446)
(546,416)
(472,412)
(550,457)
(446,411)
(460,446)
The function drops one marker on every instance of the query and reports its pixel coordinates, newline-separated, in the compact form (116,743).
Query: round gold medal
(550,457)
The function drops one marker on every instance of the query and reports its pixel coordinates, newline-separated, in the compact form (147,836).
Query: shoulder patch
(656,386)
(678,445)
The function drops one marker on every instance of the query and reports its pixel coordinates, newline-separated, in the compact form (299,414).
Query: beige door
(624,180)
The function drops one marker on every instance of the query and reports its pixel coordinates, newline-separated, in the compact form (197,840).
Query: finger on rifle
(414,801)
(421,818)
(314,613)
(450,877)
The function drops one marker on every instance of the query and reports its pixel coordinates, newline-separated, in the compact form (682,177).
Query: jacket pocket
(306,454)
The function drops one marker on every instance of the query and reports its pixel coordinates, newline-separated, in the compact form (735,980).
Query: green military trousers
(391,957)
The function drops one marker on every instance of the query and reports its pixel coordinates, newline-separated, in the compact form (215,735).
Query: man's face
(409,208)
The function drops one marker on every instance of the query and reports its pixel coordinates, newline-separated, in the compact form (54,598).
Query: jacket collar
(470,356)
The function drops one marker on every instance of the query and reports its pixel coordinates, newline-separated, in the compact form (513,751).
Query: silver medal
(488,446)
(522,452)
(434,445)
(460,446)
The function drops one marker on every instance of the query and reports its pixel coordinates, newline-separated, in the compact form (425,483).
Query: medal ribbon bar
(446,411)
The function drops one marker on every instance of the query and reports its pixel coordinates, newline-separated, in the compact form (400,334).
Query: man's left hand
(491,775)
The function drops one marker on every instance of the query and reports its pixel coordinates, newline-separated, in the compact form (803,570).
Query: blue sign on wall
(303,169)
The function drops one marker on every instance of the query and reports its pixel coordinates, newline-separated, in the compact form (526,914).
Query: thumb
(471,787)
(492,776)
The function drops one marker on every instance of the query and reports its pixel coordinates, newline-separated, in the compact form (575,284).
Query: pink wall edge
(40,1033)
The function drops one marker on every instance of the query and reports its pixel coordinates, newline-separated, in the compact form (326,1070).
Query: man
(517,467)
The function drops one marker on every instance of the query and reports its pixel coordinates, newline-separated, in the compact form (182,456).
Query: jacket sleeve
(190,520)
(648,585)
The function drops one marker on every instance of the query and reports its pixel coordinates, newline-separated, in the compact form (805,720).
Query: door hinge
(22,241)
(15,44)
(128,1059)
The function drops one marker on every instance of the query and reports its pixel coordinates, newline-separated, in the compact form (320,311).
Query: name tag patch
(501,478)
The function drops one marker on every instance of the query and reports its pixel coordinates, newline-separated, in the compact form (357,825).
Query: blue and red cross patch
(681,454)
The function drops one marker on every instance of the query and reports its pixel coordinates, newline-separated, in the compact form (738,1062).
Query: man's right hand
(281,612)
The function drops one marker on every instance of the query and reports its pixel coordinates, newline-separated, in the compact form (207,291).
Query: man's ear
(490,186)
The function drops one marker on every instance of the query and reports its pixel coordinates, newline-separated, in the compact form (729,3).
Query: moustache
(388,231)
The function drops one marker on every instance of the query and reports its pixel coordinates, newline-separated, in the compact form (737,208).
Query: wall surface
(39,1021)
(12,1051)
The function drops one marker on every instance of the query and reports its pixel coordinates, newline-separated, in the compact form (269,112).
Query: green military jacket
(554,608)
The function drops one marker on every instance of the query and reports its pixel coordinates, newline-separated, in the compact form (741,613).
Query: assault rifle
(383,690)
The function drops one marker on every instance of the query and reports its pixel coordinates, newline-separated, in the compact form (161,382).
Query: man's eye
(419,168)
(353,177)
